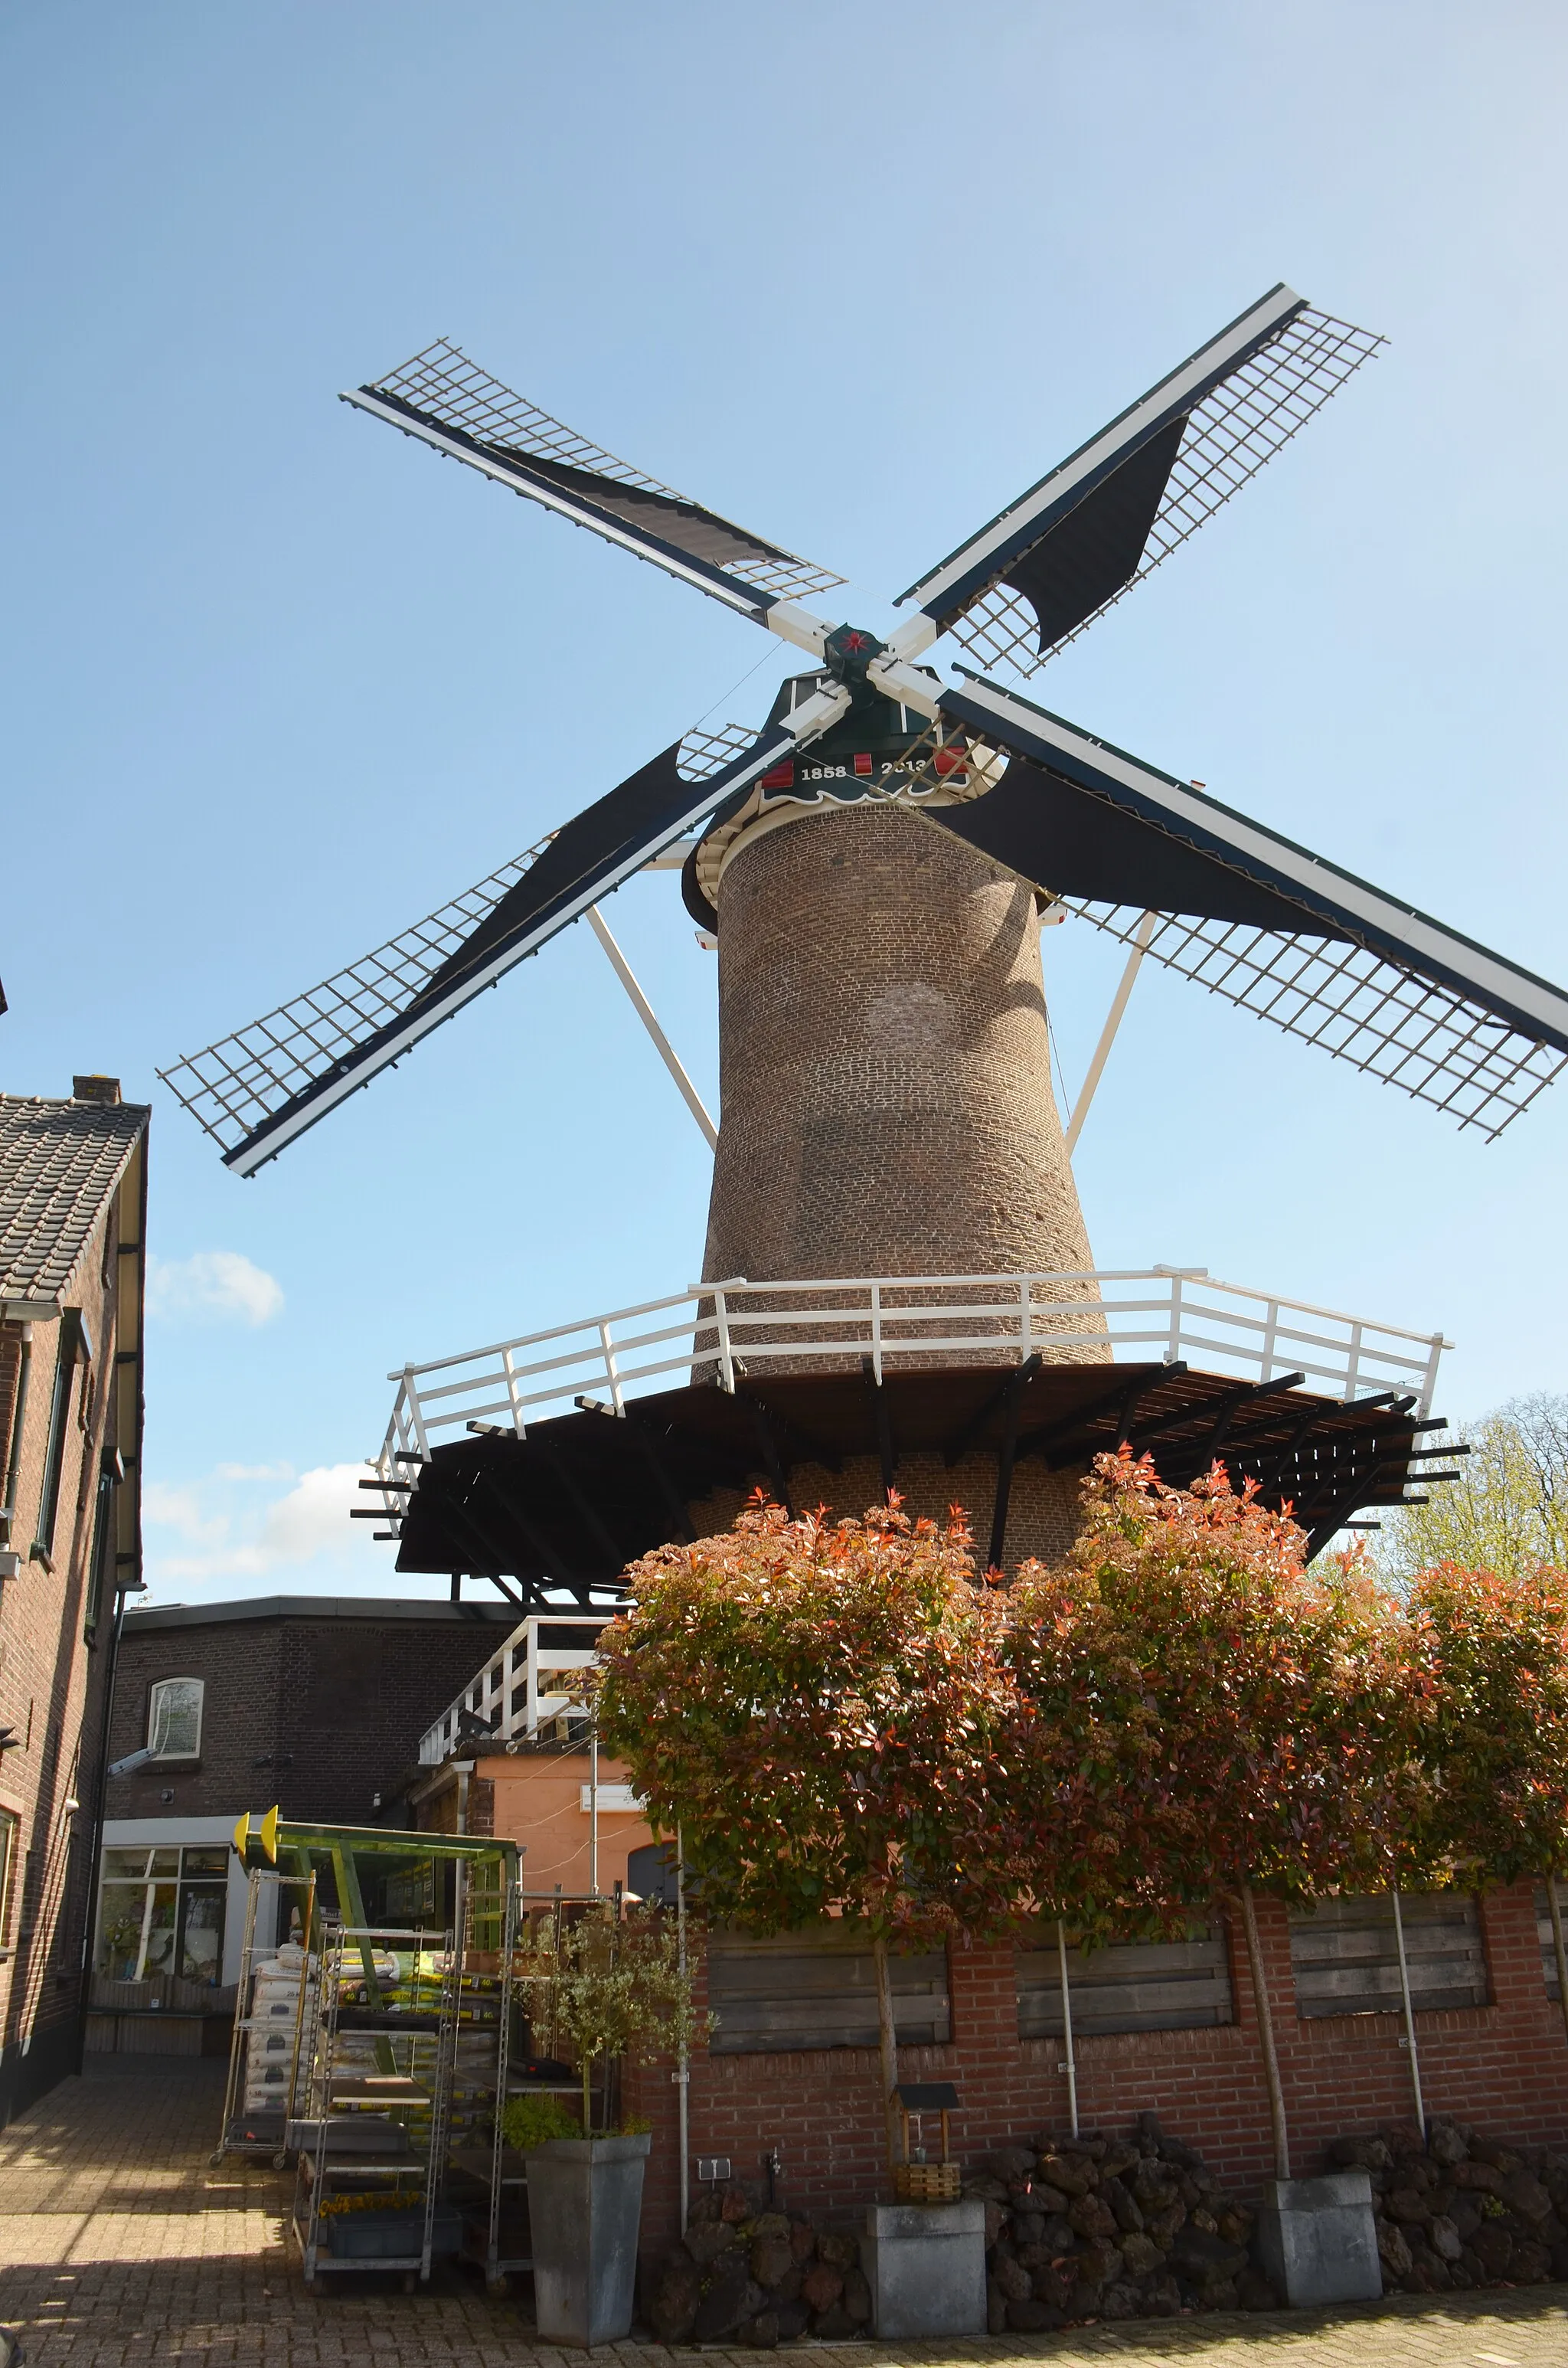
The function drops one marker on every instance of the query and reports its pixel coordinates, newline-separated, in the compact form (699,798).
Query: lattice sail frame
(233,1086)
(445,385)
(1232,434)
(1393,1022)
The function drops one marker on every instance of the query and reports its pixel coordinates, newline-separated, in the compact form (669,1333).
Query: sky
(276,684)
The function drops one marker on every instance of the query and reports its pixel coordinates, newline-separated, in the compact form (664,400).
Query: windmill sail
(257,1091)
(1024,585)
(450,403)
(1255,917)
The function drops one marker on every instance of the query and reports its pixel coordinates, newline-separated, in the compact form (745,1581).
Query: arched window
(174,1718)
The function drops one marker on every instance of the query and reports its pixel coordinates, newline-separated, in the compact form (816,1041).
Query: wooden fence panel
(1543,1929)
(1345,1958)
(799,1990)
(1132,1986)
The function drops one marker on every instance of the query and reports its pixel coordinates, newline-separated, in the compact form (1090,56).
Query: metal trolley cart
(270,2033)
(372,2148)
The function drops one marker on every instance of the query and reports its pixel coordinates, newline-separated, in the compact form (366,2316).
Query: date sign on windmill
(897,1287)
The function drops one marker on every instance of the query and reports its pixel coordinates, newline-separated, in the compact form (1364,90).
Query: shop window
(161,1911)
(174,1718)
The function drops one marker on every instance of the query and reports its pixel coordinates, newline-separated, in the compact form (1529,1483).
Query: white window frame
(156,1694)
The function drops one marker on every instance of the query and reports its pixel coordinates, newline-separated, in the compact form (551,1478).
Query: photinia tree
(1201,1716)
(820,1709)
(1488,1664)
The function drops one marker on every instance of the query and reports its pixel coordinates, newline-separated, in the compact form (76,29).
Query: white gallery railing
(738,1328)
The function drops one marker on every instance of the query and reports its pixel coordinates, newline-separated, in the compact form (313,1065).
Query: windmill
(874,863)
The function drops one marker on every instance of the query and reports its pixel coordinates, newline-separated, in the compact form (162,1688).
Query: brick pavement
(120,2244)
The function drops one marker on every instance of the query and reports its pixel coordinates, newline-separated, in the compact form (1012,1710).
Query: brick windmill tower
(898,1288)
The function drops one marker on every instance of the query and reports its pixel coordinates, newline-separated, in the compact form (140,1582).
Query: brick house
(311,1702)
(73,1205)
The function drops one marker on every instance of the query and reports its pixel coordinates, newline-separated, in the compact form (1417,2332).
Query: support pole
(1067,2027)
(1265,2036)
(1107,1033)
(683,2069)
(887,2036)
(1409,2014)
(593,1811)
(644,1011)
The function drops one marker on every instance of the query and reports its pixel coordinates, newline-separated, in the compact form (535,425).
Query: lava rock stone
(1012,2278)
(1091,2215)
(730,2296)
(674,2305)
(706,2242)
(821,2285)
(771,2260)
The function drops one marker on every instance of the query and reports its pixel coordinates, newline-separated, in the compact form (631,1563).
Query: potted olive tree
(616,1989)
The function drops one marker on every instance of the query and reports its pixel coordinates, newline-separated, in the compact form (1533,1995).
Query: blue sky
(277,683)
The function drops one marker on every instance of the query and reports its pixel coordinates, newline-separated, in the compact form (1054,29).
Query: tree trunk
(1265,2036)
(887,2035)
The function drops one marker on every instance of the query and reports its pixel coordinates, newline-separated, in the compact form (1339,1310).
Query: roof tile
(58,1163)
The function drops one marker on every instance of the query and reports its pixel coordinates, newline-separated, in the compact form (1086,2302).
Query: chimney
(105,1091)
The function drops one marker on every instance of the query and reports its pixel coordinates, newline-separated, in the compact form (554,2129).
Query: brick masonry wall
(1042,1508)
(318,1715)
(1503,2068)
(884,1060)
(48,1679)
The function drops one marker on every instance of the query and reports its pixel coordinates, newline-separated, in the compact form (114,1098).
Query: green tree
(819,1708)
(1488,1655)
(1202,1717)
(1508,1509)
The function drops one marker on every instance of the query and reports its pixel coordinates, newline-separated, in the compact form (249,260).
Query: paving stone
(122,2247)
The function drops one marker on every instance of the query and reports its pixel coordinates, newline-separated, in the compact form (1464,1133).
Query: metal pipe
(644,1011)
(593,1811)
(683,2069)
(1107,1033)
(1409,2015)
(1067,2027)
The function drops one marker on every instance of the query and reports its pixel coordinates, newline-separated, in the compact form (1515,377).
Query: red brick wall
(1503,2067)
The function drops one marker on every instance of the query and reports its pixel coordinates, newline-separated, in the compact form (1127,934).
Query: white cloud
(234,1536)
(211,1286)
(180,1509)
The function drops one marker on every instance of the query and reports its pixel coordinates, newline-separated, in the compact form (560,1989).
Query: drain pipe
(1067,2027)
(683,2071)
(594,1810)
(1409,2016)
(464,1769)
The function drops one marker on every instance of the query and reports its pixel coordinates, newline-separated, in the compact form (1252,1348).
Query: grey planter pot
(584,2206)
(1318,2241)
(926,2267)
